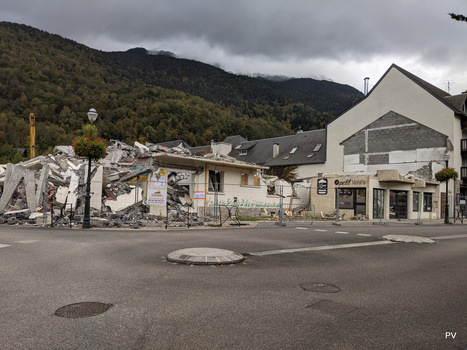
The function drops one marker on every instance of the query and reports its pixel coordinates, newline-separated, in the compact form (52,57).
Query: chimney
(365,86)
(275,150)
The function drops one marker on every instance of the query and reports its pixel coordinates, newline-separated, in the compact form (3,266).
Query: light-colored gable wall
(395,92)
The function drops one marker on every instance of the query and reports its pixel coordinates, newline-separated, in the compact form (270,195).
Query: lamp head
(92,115)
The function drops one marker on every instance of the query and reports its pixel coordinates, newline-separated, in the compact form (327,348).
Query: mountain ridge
(140,97)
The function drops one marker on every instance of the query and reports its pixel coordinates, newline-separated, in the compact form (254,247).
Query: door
(398,205)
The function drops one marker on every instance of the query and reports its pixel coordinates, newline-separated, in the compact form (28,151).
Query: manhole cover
(205,256)
(320,287)
(81,310)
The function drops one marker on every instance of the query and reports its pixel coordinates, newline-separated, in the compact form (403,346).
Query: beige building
(382,154)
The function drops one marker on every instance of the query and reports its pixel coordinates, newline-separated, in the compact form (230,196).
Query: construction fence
(181,202)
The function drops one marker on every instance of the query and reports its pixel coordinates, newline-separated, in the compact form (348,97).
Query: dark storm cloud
(261,33)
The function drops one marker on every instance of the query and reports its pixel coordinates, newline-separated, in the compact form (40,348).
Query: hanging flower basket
(446,174)
(85,147)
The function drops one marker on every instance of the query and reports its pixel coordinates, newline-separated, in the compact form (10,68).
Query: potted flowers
(89,145)
(446,174)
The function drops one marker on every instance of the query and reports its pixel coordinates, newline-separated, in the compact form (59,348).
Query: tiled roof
(258,151)
(308,147)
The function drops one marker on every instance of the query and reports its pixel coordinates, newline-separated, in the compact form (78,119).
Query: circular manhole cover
(205,256)
(320,287)
(81,310)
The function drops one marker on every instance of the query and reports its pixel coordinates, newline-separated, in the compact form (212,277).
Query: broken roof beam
(137,172)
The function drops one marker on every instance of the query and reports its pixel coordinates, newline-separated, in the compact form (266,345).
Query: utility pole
(32,135)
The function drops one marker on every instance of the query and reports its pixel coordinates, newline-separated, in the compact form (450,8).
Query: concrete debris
(51,189)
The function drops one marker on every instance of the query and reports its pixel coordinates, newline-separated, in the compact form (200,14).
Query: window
(256,180)
(346,198)
(317,147)
(244,179)
(378,203)
(216,181)
(286,157)
(352,198)
(243,152)
(310,155)
(427,201)
(293,150)
(416,201)
(238,146)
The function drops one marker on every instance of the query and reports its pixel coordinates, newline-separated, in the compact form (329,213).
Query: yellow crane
(32,135)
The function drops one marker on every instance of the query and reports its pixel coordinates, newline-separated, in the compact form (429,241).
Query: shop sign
(350,182)
(157,189)
(323,186)
(200,195)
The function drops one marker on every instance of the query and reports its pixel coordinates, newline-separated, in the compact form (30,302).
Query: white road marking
(324,247)
(319,230)
(4,245)
(28,241)
(301,228)
(450,237)
(363,234)
(342,232)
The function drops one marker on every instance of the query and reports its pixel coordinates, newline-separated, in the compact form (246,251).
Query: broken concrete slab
(61,195)
(15,174)
(30,182)
(125,200)
(100,222)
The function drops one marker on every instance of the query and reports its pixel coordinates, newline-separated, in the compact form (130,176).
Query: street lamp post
(92,116)
(446,208)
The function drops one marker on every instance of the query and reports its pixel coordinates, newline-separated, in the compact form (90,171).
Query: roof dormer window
(243,152)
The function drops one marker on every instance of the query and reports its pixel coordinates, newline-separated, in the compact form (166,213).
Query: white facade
(405,127)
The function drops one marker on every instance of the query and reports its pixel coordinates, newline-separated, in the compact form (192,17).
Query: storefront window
(427,201)
(416,201)
(378,203)
(353,198)
(346,198)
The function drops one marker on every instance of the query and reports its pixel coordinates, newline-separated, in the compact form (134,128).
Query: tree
(458,17)
(288,173)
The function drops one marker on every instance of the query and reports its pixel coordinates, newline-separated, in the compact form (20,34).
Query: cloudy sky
(341,40)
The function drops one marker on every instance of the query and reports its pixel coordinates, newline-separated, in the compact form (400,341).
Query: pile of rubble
(51,189)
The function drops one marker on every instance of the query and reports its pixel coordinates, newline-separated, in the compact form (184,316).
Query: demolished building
(136,185)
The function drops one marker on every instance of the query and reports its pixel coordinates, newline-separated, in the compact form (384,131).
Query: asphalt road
(381,296)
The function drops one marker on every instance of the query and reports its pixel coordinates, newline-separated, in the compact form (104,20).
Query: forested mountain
(144,97)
